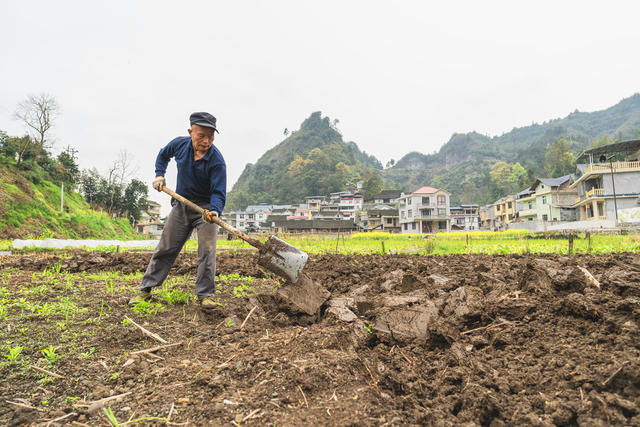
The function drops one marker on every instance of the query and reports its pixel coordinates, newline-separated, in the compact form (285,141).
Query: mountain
(313,160)
(30,208)
(462,165)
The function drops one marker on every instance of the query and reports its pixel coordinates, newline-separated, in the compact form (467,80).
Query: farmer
(202,178)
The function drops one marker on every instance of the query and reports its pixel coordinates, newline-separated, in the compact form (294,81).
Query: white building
(350,204)
(426,210)
(465,217)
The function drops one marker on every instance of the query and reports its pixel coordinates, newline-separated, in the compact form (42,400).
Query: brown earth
(437,340)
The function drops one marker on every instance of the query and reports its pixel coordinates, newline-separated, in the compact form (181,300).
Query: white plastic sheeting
(61,243)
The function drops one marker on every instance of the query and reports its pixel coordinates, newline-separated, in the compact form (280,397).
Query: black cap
(203,119)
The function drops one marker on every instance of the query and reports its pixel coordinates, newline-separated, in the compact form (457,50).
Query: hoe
(283,259)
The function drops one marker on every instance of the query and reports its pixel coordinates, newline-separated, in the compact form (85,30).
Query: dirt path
(446,340)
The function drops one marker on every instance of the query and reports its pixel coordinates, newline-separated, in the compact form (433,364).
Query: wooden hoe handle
(253,242)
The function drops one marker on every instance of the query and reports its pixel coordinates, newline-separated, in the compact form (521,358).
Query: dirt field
(439,340)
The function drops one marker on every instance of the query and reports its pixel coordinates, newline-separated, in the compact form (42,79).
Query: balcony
(428,217)
(528,212)
(606,167)
(594,192)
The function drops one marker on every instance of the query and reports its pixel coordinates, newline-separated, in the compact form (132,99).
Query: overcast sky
(400,76)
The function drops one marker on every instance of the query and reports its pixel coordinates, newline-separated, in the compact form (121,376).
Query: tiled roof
(426,190)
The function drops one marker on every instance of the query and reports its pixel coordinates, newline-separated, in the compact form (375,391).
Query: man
(202,178)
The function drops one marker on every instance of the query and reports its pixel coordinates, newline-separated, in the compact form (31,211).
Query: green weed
(148,308)
(50,355)
(174,296)
(14,353)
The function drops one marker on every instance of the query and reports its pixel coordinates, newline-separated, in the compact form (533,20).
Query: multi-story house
(465,217)
(487,217)
(608,186)
(349,204)
(379,218)
(387,197)
(314,203)
(526,205)
(334,198)
(504,211)
(150,223)
(328,211)
(426,210)
(554,199)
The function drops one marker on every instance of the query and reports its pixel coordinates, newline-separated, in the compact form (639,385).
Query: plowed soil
(406,339)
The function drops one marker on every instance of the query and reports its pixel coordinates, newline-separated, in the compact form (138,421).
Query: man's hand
(159,183)
(207,216)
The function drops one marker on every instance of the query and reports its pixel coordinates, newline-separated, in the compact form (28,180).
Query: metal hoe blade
(282,258)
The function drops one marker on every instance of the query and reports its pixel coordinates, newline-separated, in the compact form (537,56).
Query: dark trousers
(177,229)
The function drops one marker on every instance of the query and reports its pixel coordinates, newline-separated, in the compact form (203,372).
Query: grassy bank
(32,210)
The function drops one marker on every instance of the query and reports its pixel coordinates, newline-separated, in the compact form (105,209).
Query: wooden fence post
(570,243)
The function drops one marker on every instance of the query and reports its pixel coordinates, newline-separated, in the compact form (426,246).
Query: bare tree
(38,113)
(120,171)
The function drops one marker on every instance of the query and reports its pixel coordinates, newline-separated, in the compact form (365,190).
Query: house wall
(626,182)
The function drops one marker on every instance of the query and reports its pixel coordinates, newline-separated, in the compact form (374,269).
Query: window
(544,201)
(409,201)
(442,199)
(509,205)
(545,217)
(425,200)
(413,225)
(402,214)
(498,208)
(405,226)
(389,220)
(409,213)
(530,206)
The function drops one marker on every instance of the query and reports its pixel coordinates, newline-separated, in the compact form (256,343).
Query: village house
(504,211)
(465,217)
(608,186)
(487,218)
(554,199)
(349,204)
(315,202)
(313,225)
(150,223)
(526,205)
(387,197)
(426,210)
(379,218)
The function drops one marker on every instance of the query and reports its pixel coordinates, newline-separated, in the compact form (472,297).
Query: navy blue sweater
(203,179)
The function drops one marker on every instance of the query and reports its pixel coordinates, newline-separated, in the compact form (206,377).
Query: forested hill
(313,160)
(463,165)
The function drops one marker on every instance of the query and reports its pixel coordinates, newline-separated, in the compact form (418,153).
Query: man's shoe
(208,303)
(140,296)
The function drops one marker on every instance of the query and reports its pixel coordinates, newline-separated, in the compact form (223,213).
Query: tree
(507,178)
(67,167)
(558,160)
(38,113)
(134,201)
(372,186)
(89,183)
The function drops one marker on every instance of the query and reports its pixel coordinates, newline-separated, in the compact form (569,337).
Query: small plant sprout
(14,353)
(50,355)
(228,323)
(148,308)
(369,328)
(88,354)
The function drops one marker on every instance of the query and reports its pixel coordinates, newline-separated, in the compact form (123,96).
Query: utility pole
(613,182)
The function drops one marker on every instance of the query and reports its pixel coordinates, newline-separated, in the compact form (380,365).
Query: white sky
(400,76)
